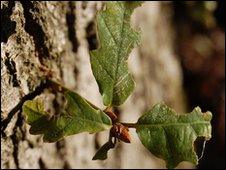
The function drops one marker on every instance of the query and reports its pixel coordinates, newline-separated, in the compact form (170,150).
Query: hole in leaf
(199,146)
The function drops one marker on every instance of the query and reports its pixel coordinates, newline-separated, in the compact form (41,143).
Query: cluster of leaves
(163,132)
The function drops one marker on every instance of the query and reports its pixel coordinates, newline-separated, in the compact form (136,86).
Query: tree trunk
(38,37)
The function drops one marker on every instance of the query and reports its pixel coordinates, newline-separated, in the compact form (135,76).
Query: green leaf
(109,62)
(171,136)
(101,154)
(78,117)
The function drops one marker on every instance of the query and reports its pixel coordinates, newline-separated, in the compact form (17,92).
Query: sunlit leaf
(171,136)
(109,62)
(79,116)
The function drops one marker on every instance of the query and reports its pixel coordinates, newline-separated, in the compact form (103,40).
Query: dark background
(200,44)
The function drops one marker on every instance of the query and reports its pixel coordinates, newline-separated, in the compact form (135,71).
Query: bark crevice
(11,67)
(41,164)
(70,20)
(15,149)
(91,36)
(35,30)
(60,146)
(8,26)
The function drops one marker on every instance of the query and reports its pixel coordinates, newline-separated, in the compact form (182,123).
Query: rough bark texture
(57,36)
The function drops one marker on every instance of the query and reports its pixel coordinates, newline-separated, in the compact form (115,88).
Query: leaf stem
(129,125)
(108,108)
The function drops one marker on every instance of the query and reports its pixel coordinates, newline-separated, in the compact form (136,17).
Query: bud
(121,132)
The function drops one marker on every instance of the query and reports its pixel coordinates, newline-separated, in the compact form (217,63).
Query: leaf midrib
(74,117)
(120,44)
(119,48)
(172,124)
(101,124)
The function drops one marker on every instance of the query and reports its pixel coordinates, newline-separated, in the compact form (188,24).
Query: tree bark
(56,36)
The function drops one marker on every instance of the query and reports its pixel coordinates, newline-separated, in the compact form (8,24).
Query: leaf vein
(172,124)
(120,46)
(108,29)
